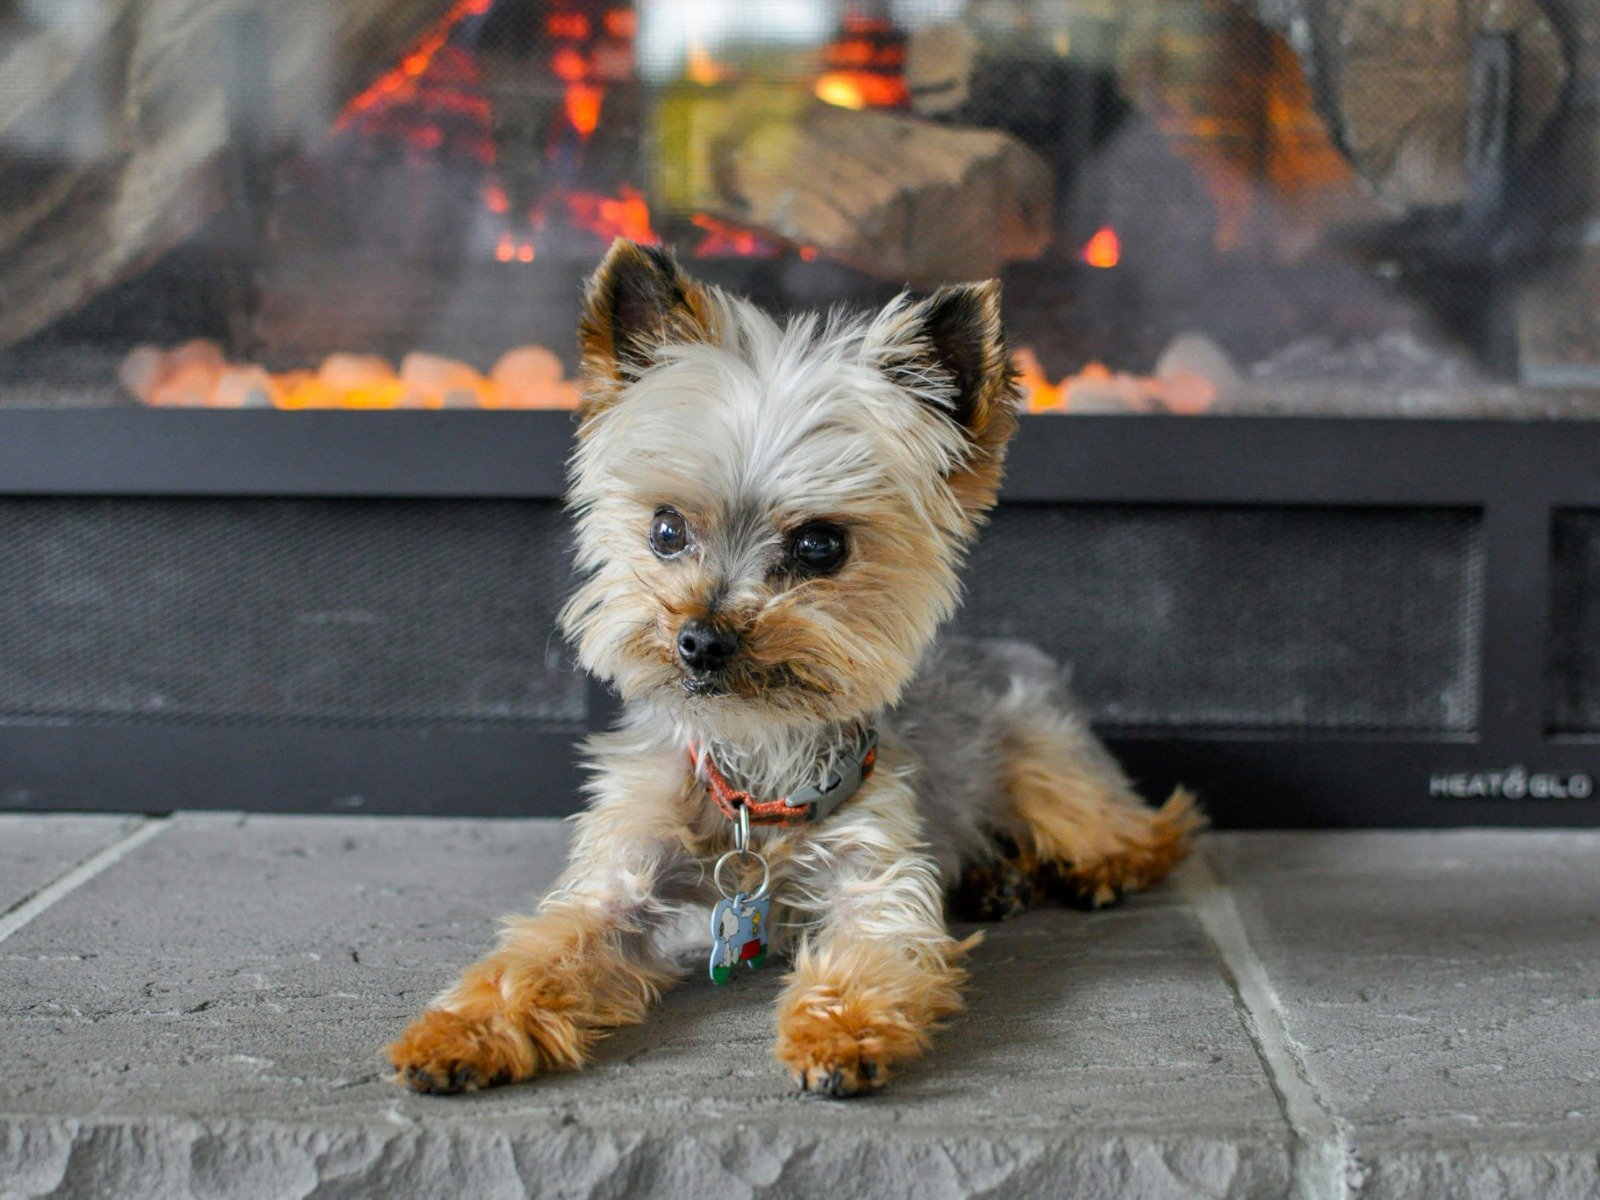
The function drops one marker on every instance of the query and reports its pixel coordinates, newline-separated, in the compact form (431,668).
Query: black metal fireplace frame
(1516,474)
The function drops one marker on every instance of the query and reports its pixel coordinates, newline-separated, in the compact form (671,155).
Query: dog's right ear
(637,301)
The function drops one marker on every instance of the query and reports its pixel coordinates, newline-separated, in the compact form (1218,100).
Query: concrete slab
(1444,990)
(37,850)
(205,1018)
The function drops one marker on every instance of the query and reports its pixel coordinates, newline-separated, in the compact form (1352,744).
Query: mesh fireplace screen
(1573,695)
(367,612)
(1278,618)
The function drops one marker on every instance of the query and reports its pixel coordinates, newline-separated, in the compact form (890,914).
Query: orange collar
(800,808)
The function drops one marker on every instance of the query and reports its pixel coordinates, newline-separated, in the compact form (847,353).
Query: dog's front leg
(879,969)
(559,980)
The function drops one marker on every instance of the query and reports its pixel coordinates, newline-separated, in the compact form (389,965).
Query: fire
(434,100)
(866,66)
(407,82)
(583,107)
(1104,249)
(701,68)
(1097,388)
(623,215)
(861,89)
(569,65)
(571,25)
(723,237)
(197,375)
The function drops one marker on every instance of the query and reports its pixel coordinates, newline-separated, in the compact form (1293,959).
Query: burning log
(162,84)
(894,196)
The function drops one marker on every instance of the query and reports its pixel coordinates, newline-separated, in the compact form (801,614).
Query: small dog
(770,521)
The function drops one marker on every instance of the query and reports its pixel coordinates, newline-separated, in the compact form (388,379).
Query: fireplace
(1304,296)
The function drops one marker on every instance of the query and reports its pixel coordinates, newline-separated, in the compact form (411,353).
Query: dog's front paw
(829,1060)
(839,1043)
(444,1052)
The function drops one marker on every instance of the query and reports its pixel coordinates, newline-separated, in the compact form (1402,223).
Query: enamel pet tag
(738,934)
(739,921)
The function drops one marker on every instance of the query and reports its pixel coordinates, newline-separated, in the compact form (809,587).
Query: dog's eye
(818,548)
(669,533)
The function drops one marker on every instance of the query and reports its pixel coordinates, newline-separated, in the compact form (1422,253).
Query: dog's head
(771,515)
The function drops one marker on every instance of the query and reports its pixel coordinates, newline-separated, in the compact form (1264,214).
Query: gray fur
(955,718)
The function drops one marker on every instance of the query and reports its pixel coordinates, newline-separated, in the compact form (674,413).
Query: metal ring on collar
(741,830)
(766,874)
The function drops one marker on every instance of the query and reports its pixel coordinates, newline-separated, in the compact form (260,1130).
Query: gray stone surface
(36,850)
(209,1012)
(204,1017)
(1445,992)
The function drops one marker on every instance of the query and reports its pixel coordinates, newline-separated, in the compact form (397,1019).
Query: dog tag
(738,934)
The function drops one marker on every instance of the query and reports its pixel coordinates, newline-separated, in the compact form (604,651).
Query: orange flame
(401,82)
(1104,249)
(723,237)
(567,25)
(568,65)
(583,107)
(1097,388)
(623,215)
(702,68)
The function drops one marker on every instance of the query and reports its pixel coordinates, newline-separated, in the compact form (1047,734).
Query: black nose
(704,646)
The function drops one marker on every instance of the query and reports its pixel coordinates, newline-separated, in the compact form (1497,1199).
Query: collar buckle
(802,807)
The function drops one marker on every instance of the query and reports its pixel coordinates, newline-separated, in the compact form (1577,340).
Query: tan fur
(856,1008)
(537,1004)
(587,962)
(683,315)
(1094,830)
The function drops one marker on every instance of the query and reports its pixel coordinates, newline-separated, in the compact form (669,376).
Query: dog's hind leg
(1080,828)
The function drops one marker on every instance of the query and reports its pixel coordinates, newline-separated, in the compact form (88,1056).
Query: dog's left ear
(954,337)
(957,331)
(637,301)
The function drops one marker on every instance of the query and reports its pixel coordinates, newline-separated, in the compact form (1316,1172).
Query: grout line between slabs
(20,915)
(1324,1165)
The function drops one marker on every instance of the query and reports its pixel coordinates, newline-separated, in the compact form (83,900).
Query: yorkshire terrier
(771,517)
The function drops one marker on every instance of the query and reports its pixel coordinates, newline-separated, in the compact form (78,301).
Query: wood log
(897,197)
(1400,73)
(131,119)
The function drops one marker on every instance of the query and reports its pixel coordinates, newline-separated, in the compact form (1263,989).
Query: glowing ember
(197,375)
(567,25)
(433,77)
(623,215)
(1104,249)
(861,89)
(701,68)
(1096,388)
(865,66)
(722,237)
(583,107)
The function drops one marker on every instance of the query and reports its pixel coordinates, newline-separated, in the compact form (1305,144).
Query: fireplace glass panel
(1196,206)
